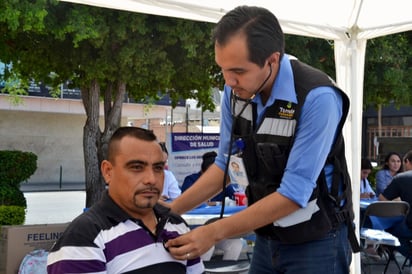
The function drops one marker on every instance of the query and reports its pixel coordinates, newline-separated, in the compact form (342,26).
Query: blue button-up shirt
(315,133)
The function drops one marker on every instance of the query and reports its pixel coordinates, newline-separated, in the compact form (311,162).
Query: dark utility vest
(265,153)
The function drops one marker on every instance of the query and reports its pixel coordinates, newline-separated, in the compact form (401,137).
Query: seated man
(171,189)
(401,187)
(231,247)
(124,232)
(207,160)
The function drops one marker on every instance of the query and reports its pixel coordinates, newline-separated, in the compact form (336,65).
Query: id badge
(237,171)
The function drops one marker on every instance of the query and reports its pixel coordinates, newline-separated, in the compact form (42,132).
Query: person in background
(366,191)
(207,160)
(171,189)
(391,167)
(284,120)
(231,248)
(401,187)
(125,231)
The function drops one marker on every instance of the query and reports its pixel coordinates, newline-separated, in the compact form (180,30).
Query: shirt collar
(284,87)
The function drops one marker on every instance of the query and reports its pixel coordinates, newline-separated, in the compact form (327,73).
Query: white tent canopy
(329,19)
(349,23)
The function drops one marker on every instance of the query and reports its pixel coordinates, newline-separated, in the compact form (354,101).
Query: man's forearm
(207,186)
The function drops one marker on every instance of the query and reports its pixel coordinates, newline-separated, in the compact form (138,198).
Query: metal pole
(187,118)
(201,118)
(61,175)
(171,120)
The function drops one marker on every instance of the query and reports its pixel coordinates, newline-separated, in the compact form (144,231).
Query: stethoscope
(234,100)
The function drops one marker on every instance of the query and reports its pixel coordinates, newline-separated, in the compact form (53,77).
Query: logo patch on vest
(286,111)
(279,119)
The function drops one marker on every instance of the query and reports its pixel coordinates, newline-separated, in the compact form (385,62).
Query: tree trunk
(91,140)
(378,149)
(94,141)
(112,115)
(379,120)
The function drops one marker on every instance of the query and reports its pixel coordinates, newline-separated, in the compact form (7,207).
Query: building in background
(53,128)
(394,135)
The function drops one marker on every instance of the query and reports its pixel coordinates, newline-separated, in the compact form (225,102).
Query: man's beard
(145,203)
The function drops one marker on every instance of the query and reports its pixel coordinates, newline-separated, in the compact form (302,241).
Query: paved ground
(377,266)
(53,207)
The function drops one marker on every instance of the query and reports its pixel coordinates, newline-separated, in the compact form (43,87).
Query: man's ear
(274,58)
(106,169)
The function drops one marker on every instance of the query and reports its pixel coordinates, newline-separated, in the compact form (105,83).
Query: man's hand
(367,195)
(192,244)
(164,198)
(164,203)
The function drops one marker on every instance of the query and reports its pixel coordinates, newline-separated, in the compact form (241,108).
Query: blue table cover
(215,210)
(364,202)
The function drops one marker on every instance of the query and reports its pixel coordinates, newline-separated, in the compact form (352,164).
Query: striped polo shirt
(105,239)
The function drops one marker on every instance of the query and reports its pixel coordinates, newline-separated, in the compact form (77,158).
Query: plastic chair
(386,210)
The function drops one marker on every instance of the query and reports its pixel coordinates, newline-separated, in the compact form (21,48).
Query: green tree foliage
(12,215)
(316,52)
(15,167)
(388,71)
(388,65)
(107,53)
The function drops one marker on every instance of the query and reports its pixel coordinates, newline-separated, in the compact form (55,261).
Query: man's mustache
(149,189)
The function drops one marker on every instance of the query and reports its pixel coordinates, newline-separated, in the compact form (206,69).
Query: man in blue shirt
(207,160)
(259,78)
(171,189)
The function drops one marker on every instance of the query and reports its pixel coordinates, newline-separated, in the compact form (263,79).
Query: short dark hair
(366,164)
(408,156)
(121,132)
(208,160)
(164,148)
(264,34)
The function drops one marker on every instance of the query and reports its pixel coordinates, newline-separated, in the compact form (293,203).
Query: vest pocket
(243,127)
(272,158)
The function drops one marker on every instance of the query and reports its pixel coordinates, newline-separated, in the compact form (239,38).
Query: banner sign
(194,141)
(185,155)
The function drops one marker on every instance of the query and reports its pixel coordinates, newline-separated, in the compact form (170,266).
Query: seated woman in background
(391,167)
